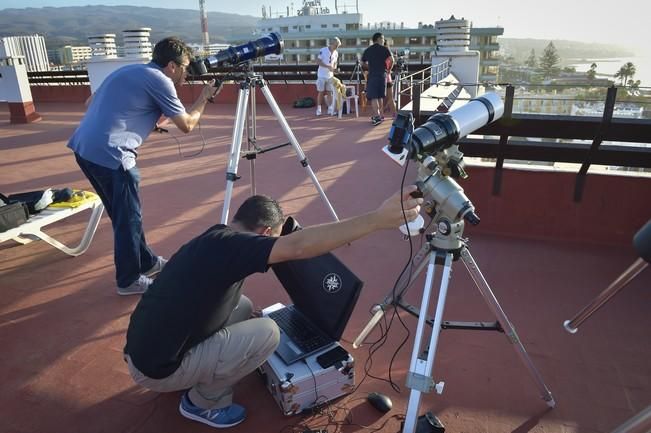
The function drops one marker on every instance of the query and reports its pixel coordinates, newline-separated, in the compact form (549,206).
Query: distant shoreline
(608,66)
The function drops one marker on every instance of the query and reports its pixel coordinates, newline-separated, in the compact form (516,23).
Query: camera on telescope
(233,56)
(441,130)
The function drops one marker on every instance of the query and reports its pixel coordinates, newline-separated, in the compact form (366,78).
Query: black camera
(269,44)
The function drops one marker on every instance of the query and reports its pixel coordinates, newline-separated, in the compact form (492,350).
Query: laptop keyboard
(299,330)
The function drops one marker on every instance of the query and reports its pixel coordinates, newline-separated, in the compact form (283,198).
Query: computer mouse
(380,401)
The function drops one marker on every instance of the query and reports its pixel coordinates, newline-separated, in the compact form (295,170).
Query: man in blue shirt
(122,113)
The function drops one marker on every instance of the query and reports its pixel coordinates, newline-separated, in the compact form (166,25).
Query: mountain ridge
(71,25)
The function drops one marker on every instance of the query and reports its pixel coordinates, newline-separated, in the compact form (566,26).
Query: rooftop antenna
(204,25)
(336,9)
(356,6)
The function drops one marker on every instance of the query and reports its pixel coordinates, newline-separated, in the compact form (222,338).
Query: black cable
(376,345)
(178,142)
(316,391)
(373,347)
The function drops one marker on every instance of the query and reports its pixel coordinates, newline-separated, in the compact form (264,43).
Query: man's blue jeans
(118,190)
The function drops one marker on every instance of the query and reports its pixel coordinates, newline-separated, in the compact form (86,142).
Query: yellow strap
(78,198)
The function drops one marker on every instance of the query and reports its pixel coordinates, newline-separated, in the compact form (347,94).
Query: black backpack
(304,102)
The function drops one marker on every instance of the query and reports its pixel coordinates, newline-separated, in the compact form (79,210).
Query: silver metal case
(304,384)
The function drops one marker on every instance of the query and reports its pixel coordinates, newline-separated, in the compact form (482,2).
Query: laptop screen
(323,289)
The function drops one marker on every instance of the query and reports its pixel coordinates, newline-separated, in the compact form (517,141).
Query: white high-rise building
(31,47)
(74,54)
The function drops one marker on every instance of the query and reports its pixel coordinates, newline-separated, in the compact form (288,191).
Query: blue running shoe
(220,418)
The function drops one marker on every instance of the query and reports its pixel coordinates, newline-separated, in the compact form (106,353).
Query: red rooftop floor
(62,325)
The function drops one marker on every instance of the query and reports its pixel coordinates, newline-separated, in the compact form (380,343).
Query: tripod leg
(251,137)
(419,379)
(299,152)
(395,295)
(236,146)
(640,423)
(495,307)
(603,297)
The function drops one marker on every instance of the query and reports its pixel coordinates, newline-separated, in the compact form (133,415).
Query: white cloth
(329,58)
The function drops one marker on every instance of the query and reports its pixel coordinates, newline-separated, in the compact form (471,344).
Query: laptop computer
(324,293)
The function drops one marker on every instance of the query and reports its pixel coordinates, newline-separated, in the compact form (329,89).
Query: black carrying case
(12,214)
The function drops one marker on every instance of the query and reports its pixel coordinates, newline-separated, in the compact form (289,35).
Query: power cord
(329,410)
(178,142)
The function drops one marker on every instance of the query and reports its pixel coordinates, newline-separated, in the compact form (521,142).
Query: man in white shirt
(327,61)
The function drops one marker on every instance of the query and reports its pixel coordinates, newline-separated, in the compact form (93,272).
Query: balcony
(544,253)
(485,47)
(490,62)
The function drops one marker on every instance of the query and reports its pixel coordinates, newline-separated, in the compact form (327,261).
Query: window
(323,26)
(336,26)
(284,29)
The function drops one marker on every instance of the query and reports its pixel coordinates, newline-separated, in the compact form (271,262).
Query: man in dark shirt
(193,328)
(374,59)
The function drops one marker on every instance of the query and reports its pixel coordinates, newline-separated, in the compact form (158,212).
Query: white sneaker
(318,110)
(138,287)
(331,111)
(157,268)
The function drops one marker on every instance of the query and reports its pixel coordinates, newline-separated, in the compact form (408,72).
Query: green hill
(73,25)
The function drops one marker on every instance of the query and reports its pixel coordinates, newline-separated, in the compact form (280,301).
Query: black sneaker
(376,120)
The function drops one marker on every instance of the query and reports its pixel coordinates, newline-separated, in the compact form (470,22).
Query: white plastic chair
(349,101)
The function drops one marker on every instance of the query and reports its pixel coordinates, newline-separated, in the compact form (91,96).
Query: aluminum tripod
(419,378)
(245,95)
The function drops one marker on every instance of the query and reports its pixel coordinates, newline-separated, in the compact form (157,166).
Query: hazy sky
(625,23)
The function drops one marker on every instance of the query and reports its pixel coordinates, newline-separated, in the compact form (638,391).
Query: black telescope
(269,44)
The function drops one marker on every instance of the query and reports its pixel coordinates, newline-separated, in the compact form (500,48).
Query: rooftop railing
(605,134)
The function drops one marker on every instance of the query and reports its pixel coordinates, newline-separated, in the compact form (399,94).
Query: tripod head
(434,147)
(447,205)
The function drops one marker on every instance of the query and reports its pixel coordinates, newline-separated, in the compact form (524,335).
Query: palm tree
(592,73)
(626,71)
(634,84)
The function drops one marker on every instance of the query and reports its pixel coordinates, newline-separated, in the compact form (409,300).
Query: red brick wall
(283,94)
(540,205)
(60,93)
